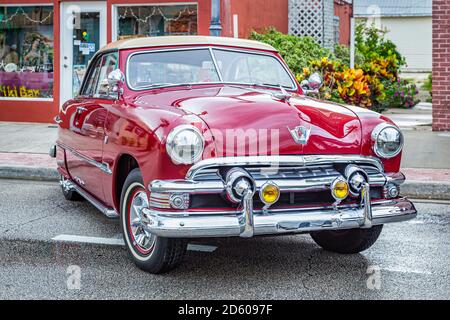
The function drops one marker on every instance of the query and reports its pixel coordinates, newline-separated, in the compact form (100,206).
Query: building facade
(45,45)
(409,26)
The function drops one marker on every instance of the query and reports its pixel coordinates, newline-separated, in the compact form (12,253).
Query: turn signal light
(270,193)
(340,189)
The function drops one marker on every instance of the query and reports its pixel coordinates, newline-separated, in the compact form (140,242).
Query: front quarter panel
(140,132)
(369,120)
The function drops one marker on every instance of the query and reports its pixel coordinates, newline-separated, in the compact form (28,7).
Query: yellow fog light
(340,189)
(269,193)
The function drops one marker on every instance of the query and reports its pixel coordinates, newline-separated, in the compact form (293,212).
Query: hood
(246,122)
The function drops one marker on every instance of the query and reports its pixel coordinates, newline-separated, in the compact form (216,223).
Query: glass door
(83,33)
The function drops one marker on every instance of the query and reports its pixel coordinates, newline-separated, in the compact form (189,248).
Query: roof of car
(186,40)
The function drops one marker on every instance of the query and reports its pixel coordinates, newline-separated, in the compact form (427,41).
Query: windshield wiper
(278,86)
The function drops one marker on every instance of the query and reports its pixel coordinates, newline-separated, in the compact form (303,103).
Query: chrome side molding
(102,166)
(69,185)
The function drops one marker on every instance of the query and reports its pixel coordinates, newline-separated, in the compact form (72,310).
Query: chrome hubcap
(143,239)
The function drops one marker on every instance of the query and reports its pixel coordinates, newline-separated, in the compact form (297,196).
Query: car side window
(91,80)
(108,64)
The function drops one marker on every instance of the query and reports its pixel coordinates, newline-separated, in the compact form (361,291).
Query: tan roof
(186,40)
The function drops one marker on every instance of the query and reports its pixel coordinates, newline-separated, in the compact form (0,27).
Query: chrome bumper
(182,225)
(248,222)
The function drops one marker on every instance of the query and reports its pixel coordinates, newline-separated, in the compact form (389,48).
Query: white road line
(406,270)
(119,242)
(92,240)
(201,247)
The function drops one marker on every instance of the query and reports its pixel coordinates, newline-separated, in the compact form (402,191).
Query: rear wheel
(347,241)
(149,252)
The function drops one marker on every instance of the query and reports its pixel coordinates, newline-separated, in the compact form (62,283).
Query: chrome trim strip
(275,161)
(217,186)
(216,65)
(395,178)
(177,226)
(102,166)
(70,185)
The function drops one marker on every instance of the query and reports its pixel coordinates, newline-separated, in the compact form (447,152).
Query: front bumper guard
(248,223)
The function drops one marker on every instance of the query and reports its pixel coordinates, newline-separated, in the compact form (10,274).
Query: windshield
(252,68)
(197,66)
(171,67)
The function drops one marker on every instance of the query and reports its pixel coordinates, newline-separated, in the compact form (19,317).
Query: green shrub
(428,84)
(342,53)
(298,52)
(371,43)
(373,83)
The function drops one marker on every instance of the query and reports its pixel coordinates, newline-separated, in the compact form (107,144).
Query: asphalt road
(411,260)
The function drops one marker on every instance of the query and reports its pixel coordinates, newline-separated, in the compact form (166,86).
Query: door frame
(66,42)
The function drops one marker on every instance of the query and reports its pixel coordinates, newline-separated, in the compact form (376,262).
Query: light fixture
(340,189)
(269,193)
(387,141)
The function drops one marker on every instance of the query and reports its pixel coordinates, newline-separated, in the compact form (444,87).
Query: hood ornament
(300,134)
(283,95)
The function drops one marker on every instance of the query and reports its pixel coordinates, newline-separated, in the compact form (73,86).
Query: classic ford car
(194,137)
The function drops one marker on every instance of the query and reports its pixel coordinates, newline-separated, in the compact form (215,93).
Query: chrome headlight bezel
(376,133)
(170,144)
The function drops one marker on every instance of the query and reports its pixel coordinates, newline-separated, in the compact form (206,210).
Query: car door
(87,124)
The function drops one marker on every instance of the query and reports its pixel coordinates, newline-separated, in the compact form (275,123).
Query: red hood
(251,115)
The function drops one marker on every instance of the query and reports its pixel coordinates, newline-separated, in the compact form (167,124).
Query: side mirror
(313,84)
(115,80)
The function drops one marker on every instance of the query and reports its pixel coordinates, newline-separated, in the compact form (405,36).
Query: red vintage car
(190,137)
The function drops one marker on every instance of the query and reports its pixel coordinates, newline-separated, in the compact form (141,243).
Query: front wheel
(149,252)
(347,241)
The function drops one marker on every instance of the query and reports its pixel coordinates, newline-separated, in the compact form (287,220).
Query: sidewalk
(426,156)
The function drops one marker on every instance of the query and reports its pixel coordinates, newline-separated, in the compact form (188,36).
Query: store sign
(26,84)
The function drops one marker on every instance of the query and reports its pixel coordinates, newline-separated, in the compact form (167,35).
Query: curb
(426,190)
(413,189)
(29,173)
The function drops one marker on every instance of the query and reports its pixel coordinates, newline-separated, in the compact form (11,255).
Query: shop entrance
(83,33)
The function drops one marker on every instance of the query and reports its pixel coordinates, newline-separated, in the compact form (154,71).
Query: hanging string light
(20,11)
(156,11)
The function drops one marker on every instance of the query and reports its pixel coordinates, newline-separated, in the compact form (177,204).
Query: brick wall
(441,65)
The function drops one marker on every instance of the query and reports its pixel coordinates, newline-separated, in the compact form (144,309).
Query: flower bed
(374,82)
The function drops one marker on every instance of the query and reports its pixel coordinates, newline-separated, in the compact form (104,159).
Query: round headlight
(185,144)
(387,141)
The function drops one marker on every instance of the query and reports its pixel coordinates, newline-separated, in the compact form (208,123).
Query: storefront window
(26,52)
(150,21)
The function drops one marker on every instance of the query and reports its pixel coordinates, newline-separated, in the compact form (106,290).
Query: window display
(26,51)
(150,21)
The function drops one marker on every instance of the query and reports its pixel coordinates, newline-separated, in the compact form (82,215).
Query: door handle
(81,110)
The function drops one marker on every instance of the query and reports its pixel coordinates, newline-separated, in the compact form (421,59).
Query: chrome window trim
(216,65)
(210,49)
(273,161)
(102,166)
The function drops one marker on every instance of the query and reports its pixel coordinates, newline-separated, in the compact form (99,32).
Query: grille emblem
(300,134)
